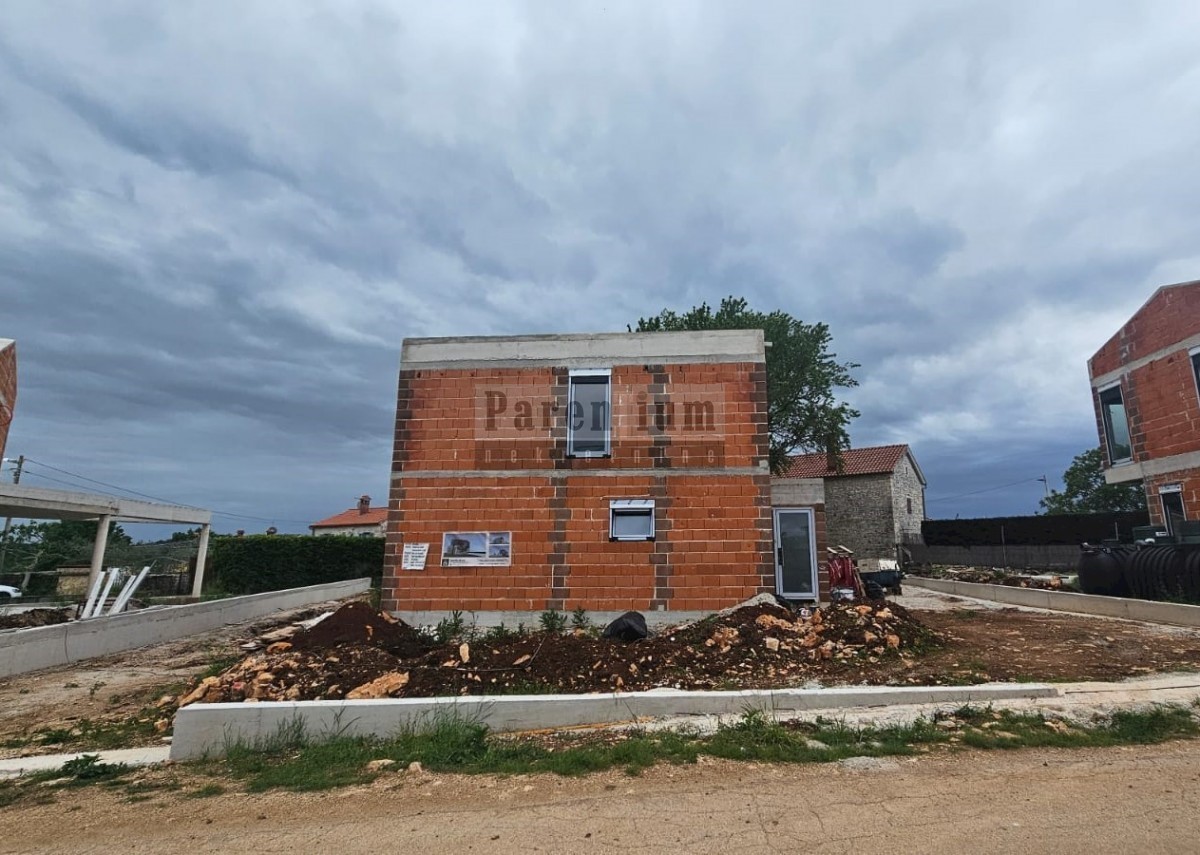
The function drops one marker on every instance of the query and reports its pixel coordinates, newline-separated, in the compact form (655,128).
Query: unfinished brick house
(1146,392)
(612,472)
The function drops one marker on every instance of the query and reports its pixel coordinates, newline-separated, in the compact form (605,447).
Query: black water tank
(1155,573)
(1102,571)
(1191,572)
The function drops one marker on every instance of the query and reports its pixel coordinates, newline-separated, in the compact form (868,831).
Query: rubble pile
(363,654)
(35,617)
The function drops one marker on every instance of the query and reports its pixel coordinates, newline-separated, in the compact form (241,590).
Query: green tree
(1084,490)
(803,413)
(36,547)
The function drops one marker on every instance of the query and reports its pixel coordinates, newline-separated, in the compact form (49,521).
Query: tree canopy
(803,413)
(1084,490)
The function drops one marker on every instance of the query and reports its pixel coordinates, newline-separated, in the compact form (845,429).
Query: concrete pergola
(41,504)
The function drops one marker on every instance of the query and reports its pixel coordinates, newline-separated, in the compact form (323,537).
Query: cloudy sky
(218,220)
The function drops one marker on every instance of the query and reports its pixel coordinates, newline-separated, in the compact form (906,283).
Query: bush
(256,563)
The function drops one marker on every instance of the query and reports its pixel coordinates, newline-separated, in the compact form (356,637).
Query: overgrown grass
(452,744)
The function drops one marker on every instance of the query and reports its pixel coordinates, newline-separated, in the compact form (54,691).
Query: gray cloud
(215,229)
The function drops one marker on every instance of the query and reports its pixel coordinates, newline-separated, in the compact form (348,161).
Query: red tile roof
(876,460)
(373,516)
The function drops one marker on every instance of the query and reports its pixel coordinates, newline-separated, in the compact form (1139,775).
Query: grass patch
(218,666)
(449,744)
(206,792)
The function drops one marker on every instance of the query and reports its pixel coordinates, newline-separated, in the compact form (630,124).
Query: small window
(909,503)
(631,519)
(1196,367)
(1116,425)
(589,414)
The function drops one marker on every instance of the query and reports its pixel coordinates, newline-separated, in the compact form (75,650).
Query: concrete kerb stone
(1147,611)
(208,730)
(24,650)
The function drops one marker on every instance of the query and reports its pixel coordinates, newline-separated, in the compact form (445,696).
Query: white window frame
(589,372)
(630,507)
(1106,422)
(1194,357)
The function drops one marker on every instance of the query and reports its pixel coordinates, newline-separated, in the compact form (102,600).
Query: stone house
(875,503)
(613,471)
(1146,393)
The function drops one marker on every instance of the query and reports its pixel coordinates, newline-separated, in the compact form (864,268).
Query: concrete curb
(17,766)
(208,729)
(23,650)
(1149,611)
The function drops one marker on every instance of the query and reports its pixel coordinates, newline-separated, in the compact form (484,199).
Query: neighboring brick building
(874,503)
(8,387)
(620,471)
(1146,393)
(360,521)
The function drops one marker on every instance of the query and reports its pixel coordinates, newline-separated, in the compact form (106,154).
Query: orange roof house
(361,521)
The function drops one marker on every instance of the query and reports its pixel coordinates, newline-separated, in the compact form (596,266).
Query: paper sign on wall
(477,549)
(414,555)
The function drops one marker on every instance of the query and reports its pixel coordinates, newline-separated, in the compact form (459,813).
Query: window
(589,413)
(1116,425)
(1171,497)
(909,503)
(1196,367)
(631,519)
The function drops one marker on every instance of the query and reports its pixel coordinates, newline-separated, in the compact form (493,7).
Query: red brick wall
(1161,399)
(713,542)
(1170,316)
(1188,479)
(8,391)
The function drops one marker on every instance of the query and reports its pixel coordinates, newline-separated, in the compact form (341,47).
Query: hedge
(1040,530)
(271,562)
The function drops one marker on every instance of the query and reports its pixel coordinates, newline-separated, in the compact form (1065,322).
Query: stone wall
(858,515)
(908,503)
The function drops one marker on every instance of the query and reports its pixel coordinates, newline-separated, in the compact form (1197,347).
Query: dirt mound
(35,617)
(358,624)
(758,646)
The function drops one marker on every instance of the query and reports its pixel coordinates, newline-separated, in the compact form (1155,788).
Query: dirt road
(1086,801)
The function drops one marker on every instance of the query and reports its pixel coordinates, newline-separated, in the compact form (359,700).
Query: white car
(7,591)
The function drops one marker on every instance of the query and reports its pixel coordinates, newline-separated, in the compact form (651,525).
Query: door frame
(777,552)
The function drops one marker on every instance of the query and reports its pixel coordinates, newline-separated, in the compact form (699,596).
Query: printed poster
(477,549)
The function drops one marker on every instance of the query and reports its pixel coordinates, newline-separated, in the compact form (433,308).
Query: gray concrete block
(23,650)
(1150,611)
(207,730)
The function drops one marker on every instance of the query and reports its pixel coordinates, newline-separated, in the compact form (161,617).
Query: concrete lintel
(595,350)
(1147,611)
(1149,468)
(207,729)
(800,492)
(18,500)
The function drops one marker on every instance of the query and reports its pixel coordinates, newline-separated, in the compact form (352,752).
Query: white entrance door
(795,554)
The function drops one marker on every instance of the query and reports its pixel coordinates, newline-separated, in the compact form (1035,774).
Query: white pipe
(113,572)
(93,593)
(128,591)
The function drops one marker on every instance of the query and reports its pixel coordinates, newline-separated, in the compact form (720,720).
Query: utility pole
(20,461)
(1046,484)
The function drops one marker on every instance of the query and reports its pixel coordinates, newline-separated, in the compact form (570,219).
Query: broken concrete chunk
(381,687)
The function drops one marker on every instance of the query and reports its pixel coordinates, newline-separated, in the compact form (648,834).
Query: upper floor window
(1196,367)
(589,413)
(1116,425)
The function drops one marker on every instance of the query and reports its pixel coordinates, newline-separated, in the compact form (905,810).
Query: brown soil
(359,624)
(753,647)
(35,617)
(1089,801)
(1011,644)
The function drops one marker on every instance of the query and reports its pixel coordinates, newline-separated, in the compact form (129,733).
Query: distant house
(1146,392)
(875,503)
(360,521)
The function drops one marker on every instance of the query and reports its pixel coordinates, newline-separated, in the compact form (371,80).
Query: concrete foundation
(207,730)
(23,650)
(1149,611)
(532,620)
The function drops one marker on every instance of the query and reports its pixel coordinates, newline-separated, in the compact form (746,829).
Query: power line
(76,475)
(984,490)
